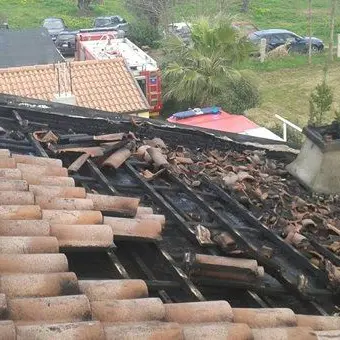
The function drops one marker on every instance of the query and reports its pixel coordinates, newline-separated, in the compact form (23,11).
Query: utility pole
(310,32)
(331,38)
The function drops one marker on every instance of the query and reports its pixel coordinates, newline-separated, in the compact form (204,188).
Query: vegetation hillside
(290,14)
(285,85)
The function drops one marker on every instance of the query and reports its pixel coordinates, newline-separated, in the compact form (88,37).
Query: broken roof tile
(41,281)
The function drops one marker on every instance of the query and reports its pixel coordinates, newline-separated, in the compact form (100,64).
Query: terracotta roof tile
(144,330)
(99,84)
(90,330)
(34,276)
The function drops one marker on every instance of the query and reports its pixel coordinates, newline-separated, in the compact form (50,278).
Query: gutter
(32,105)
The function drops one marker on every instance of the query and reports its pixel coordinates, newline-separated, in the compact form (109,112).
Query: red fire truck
(103,44)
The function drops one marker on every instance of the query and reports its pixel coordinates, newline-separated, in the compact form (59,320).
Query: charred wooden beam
(101,178)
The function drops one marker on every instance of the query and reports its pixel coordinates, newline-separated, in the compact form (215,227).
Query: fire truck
(104,44)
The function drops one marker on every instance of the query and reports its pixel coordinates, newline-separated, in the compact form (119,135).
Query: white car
(181,30)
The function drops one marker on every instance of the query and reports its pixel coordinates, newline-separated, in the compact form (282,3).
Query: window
(142,85)
(255,38)
(115,20)
(66,37)
(276,39)
(102,22)
(289,37)
(53,24)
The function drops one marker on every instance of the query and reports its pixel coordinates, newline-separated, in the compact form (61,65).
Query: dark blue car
(278,37)
(54,26)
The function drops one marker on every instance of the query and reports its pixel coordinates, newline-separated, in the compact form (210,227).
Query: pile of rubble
(261,184)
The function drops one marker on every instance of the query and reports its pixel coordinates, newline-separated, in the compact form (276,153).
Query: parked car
(181,30)
(115,22)
(278,37)
(4,26)
(54,26)
(66,42)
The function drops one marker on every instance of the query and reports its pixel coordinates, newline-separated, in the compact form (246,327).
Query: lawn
(290,14)
(30,13)
(286,92)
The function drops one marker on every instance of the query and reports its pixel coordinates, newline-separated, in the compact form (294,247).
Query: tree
(203,73)
(245,6)
(331,38)
(320,102)
(84,4)
(310,31)
(155,11)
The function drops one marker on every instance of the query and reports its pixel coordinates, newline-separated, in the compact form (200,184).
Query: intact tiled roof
(41,299)
(106,85)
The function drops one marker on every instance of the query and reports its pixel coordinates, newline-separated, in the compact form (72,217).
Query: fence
(286,123)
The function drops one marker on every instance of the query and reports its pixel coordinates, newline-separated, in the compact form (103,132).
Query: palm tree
(200,73)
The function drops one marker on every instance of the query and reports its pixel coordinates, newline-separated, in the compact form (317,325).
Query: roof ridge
(26,68)
(94,61)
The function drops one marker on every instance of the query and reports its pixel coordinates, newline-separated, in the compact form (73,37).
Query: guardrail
(286,123)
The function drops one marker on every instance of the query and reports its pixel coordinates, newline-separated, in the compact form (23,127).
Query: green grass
(288,14)
(289,62)
(31,13)
(287,91)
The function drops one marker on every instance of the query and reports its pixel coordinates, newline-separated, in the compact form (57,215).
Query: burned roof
(178,253)
(27,47)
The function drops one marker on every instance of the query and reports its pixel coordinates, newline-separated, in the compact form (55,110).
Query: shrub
(143,34)
(240,96)
(320,102)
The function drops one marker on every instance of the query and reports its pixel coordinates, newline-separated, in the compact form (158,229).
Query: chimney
(317,165)
(65,98)
(64,93)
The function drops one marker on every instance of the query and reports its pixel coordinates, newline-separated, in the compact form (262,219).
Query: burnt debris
(223,200)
